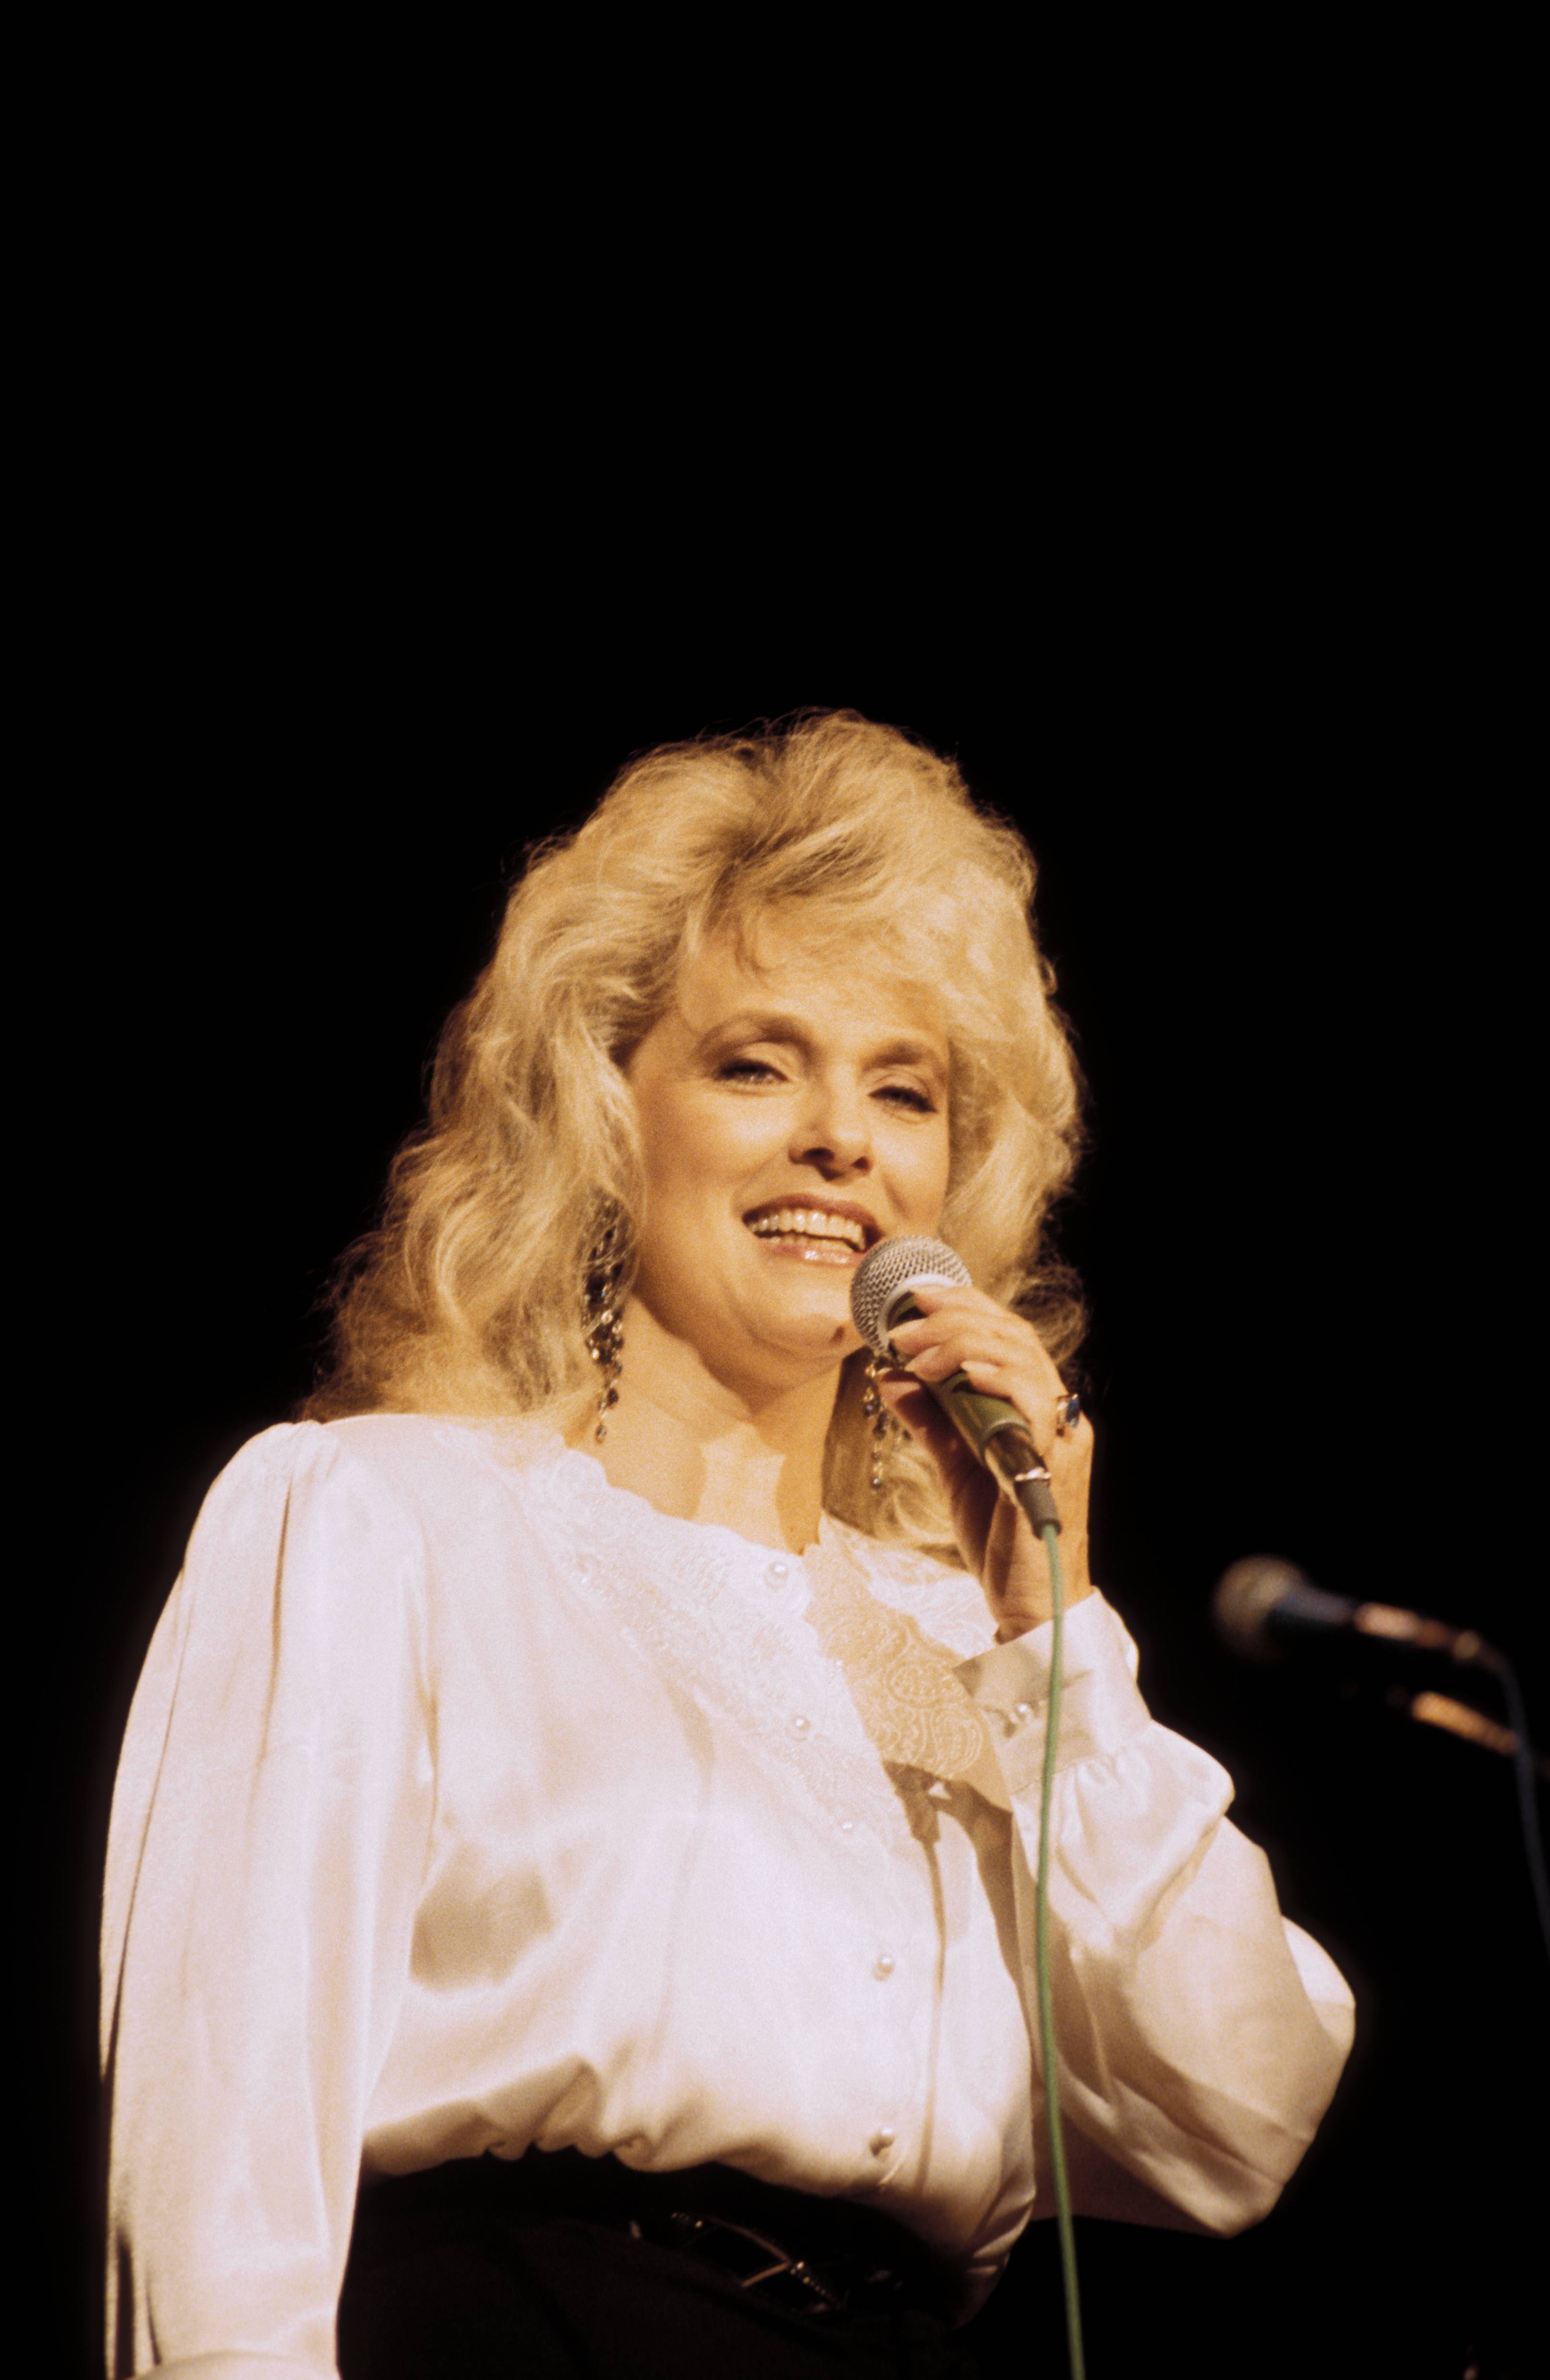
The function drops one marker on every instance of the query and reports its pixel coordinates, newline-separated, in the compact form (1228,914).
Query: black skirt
(566,2267)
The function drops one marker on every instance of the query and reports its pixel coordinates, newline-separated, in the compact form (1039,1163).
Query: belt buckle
(772,2262)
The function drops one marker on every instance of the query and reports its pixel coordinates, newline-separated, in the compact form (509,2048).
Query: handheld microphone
(882,1296)
(1262,1606)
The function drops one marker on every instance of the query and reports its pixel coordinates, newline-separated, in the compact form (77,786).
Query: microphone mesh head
(1245,1599)
(891,1265)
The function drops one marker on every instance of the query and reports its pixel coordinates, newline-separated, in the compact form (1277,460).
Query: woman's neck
(700,1448)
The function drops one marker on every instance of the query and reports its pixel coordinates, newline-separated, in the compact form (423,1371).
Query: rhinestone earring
(876,1413)
(603,1328)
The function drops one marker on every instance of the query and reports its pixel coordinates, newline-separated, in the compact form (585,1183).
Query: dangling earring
(605,1330)
(877,1414)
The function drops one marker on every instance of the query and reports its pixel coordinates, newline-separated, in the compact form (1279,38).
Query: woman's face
(793,1109)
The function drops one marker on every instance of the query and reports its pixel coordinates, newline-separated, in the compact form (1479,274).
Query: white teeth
(810,1222)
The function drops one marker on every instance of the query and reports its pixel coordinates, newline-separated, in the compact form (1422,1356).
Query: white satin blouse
(468,1802)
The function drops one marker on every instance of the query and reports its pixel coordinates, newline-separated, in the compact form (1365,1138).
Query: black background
(1219,642)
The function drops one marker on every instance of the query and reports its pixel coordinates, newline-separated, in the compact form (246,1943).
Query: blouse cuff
(1101,1707)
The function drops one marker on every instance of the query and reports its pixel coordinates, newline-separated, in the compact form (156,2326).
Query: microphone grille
(886,1270)
(1246,1595)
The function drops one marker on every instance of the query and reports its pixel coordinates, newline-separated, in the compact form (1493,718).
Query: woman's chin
(813,1321)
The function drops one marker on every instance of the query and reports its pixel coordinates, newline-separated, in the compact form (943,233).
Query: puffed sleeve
(269,1833)
(1199,2034)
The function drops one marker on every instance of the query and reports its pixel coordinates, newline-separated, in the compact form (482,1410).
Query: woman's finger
(996,1328)
(983,1329)
(1021,1375)
(954,1355)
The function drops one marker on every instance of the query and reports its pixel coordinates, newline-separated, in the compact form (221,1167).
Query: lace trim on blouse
(854,1695)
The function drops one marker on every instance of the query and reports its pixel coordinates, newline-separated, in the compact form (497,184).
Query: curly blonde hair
(467,1298)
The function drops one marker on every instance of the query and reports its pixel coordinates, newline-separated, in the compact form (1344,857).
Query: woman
(568,1900)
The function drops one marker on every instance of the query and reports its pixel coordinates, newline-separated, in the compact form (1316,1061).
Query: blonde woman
(568,1887)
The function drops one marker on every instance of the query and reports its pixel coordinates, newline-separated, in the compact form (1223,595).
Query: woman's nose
(835,1131)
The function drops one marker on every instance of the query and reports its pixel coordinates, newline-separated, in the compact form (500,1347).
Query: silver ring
(1067,1413)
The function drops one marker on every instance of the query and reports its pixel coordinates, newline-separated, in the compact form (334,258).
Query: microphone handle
(994,1433)
(1305,1609)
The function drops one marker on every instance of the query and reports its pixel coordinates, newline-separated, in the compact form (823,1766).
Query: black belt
(818,2256)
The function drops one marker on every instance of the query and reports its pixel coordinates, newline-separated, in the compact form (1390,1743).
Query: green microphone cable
(1011,1455)
(1041,1961)
(997,1435)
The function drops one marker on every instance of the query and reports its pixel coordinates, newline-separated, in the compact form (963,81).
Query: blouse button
(800,1725)
(778,1574)
(881,2142)
(847,1826)
(1022,1712)
(883,1967)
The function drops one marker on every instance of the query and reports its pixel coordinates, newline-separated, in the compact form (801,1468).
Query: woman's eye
(759,1070)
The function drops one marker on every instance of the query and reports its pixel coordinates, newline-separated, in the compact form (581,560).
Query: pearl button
(800,1725)
(883,1967)
(778,1574)
(881,2142)
(847,1826)
(1022,1712)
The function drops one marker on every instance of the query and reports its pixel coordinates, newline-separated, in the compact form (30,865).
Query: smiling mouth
(810,1234)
